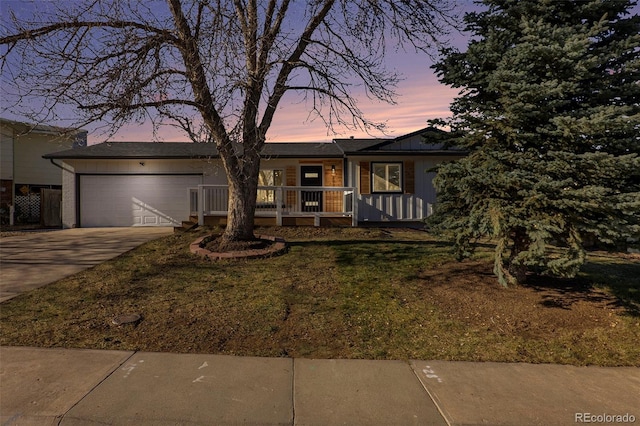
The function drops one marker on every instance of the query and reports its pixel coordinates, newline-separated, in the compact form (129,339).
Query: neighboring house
(345,181)
(23,171)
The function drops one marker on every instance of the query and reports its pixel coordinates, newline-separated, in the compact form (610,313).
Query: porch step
(187,225)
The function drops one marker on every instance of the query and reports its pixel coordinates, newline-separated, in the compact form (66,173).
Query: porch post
(201,203)
(279,206)
(354,208)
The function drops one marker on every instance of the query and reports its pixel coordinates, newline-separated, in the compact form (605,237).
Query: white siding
(212,170)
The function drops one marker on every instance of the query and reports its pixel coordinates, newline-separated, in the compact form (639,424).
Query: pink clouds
(416,104)
(419,100)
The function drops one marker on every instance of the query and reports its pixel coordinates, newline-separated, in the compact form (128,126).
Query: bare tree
(218,69)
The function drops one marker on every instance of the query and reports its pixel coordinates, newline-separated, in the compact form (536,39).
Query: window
(387,177)
(269,178)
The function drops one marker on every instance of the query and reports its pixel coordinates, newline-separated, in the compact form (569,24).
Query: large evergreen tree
(549,109)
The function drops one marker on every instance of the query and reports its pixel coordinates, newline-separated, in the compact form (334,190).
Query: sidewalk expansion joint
(431,396)
(116,368)
(293,391)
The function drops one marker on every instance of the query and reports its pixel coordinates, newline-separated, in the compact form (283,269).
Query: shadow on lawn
(352,252)
(621,279)
(389,241)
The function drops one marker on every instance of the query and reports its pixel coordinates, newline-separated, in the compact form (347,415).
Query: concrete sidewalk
(34,259)
(80,387)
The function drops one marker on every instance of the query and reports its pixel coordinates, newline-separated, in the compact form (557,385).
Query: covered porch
(280,205)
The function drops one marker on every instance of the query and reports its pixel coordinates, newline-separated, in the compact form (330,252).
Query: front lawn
(338,293)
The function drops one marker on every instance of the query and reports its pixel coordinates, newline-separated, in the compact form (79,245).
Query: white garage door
(148,200)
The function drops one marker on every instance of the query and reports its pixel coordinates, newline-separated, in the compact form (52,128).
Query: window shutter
(409,177)
(365,178)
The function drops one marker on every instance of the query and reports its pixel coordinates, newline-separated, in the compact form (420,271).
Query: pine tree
(549,109)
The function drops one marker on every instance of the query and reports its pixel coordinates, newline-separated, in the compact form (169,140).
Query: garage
(134,200)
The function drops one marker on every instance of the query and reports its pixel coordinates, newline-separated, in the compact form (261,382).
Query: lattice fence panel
(27,208)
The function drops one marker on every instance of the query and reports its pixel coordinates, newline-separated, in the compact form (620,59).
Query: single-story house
(345,181)
(23,171)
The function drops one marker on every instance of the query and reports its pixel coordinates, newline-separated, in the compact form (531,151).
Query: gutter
(60,166)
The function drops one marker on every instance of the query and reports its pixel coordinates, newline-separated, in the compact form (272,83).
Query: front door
(311,176)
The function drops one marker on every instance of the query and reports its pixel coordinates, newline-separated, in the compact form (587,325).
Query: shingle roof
(301,149)
(25,128)
(352,146)
(138,150)
(176,150)
(338,149)
(433,144)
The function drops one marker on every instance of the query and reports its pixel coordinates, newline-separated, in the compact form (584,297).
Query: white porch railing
(279,202)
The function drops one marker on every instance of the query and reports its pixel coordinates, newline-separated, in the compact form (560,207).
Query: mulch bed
(213,248)
(213,244)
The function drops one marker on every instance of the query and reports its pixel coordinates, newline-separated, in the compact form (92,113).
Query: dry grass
(338,293)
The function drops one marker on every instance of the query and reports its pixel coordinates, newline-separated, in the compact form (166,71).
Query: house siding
(6,154)
(382,207)
(24,172)
(212,169)
(30,167)
(6,168)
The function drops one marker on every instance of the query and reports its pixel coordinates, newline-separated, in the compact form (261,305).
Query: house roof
(24,128)
(176,150)
(352,146)
(301,150)
(428,141)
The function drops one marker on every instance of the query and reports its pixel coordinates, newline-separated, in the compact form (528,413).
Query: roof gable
(427,141)
(352,146)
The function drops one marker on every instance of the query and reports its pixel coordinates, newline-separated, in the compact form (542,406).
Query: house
(23,171)
(345,181)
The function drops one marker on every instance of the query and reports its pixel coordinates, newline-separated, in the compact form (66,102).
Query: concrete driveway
(34,259)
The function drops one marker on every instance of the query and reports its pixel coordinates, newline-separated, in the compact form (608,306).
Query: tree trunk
(241,210)
(243,188)
(521,243)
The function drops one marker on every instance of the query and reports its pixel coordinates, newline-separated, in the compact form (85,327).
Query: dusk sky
(420,98)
